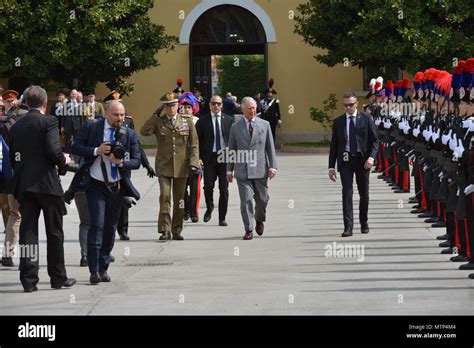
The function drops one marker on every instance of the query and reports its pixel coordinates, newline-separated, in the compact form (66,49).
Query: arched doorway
(223,30)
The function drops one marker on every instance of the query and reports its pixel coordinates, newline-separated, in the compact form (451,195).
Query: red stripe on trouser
(198,198)
(423,195)
(406,179)
(379,162)
(468,248)
(456,232)
(438,209)
(386,167)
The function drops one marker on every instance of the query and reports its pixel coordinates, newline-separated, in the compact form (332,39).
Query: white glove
(445,138)
(458,150)
(469,189)
(453,142)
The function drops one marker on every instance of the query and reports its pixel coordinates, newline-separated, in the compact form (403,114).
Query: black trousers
(354,165)
(191,198)
(212,171)
(122,226)
(31,205)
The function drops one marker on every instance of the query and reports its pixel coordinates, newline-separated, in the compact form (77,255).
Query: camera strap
(104,173)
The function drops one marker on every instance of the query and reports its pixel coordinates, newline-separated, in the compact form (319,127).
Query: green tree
(411,35)
(323,117)
(242,75)
(79,42)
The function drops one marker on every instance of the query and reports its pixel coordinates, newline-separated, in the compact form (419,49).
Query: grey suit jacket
(251,158)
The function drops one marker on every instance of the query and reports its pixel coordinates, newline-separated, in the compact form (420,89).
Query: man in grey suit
(251,159)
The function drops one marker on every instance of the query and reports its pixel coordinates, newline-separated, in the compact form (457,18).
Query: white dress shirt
(219,119)
(95,170)
(348,122)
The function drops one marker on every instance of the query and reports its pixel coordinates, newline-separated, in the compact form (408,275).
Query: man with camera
(35,155)
(110,152)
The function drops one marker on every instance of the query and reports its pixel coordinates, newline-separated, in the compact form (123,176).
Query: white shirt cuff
(332,168)
(272,170)
(95,151)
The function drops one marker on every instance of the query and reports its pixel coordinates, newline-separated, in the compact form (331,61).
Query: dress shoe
(412,198)
(459,258)
(431,220)
(364,229)
(186,217)
(447,251)
(439,224)
(259,227)
(32,289)
(248,235)
(177,237)
(444,244)
(401,191)
(7,262)
(416,211)
(67,284)
(416,206)
(165,236)
(413,201)
(471,276)
(381,176)
(468,266)
(222,223)
(347,233)
(442,237)
(208,215)
(83,262)
(392,184)
(124,235)
(95,279)
(104,277)
(425,215)
(111,258)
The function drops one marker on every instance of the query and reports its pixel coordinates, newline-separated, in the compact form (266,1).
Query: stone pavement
(287,271)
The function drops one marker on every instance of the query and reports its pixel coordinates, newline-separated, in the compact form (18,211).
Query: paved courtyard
(289,270)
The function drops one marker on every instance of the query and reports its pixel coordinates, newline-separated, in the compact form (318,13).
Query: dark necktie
(250,129)
(113,172)
(218,134)
(352,136)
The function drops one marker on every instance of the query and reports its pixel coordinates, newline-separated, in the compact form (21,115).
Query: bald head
(115,113)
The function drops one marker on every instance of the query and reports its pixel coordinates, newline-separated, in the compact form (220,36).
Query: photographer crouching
(110,152)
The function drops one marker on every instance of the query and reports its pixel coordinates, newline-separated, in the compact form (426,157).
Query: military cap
(10,94)
(169,98)
(114,95)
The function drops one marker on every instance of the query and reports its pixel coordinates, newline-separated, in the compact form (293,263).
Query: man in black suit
(106,179)
(213,131)
(35,154)
(354,145)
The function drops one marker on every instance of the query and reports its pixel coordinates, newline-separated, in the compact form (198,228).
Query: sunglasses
(216,104)
(349,105)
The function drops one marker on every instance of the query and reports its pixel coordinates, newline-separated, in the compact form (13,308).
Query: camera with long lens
(116,147)
(69,167)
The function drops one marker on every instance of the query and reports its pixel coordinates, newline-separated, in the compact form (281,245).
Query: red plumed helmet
(458,69)
(469,66)
(389,84)
(419,76)
(271,82)
(179,81)
(405,83)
